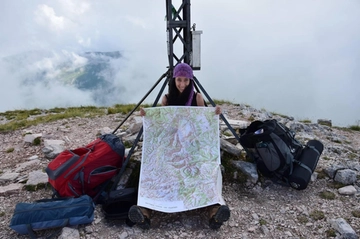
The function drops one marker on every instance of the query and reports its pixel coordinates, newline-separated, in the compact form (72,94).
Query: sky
(297,58)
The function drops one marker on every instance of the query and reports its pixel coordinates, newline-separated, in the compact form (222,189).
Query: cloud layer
(296,58)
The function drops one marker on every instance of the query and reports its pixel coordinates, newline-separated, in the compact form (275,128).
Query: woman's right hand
(142,112)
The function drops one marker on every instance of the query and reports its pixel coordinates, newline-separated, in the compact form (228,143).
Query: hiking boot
(218,215)
(137,216)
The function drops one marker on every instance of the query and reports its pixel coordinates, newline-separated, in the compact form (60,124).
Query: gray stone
(248,168)
(123,235)
(23,166)
(134,128)
(8,177)
(29,138)
(333,168)
(354,165)
(105,130)
(235,124)
(348,190)
(343,228)
(37,177)
(345,176)
(68,232)
(53,148)
(326,122)
(13,188)
(314,177)
(124,178)
(130,139)
(33,157)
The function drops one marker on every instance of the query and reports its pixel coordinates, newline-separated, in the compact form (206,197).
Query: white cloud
(45,16)
(295,57)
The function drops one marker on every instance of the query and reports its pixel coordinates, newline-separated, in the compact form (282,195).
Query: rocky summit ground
(261,210)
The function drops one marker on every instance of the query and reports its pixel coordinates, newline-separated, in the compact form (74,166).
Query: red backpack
(86,170)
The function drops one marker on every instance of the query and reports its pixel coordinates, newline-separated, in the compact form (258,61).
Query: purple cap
(183,70)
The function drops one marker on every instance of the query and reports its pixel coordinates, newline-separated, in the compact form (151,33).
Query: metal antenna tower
(178,31)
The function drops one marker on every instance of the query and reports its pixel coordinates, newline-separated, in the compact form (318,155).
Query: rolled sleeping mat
(305,165)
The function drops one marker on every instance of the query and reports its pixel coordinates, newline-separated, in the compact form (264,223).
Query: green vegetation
(325,157)
(37,141)
(305,121)
(262,222)
(355,127)
(10,150)
(2,214)
(219,102)
(356,213)
(336,185)
(330,233)
(123,109)
(33,188)
(20,114)
(337,141)
(20,118)
(302,219)
(278,114)
(321,174)
(327,195)
(251,118)
(317,215)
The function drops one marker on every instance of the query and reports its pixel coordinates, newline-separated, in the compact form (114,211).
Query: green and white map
(180,166)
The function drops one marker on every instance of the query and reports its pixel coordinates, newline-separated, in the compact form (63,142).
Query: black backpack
(277,153)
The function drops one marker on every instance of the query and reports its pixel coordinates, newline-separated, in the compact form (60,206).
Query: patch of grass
(353,156)
(219,102)
(56,110)
(278,114)
(2,214)
(262,222)
(321,174)
(356,213)
(127,144)
(19,114)
(317,215)
(302,219)
(354,127)
(330,233)
(325,157)
(337,141)
(336,185)
(61,113)
(33,188)
(251,118)
(37,141)
(305,121)
(124,109)
(10,150)
(327,195)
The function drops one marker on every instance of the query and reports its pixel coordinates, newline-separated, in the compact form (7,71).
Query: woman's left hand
(217,110)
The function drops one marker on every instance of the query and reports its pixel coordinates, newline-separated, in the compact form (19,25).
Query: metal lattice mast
(178,33)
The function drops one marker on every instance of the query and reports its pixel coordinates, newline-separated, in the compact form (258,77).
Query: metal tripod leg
(123,167)
(146,95)
(213,104)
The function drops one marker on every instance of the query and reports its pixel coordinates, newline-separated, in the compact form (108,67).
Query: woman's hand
(142,112)
(217,110)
